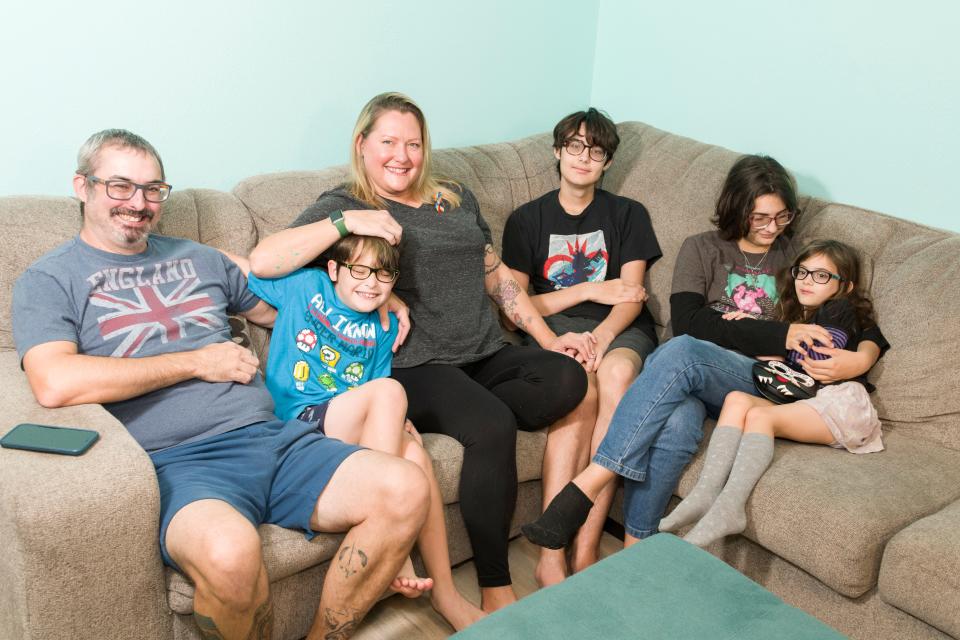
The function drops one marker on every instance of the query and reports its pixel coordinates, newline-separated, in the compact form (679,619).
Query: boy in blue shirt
(329,363)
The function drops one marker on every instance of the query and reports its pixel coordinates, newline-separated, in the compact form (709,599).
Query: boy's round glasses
(125,190)
(575,147)
(362,272)
(762,220)
(820,276)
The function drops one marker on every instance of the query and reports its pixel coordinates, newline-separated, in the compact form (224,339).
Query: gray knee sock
(728,513)
(720,454)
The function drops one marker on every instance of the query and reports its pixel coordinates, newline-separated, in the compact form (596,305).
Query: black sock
(561,520)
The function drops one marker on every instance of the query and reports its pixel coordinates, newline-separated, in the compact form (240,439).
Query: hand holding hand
(402,311)
(580,346)
(225,362)
(615,291)
(377,223)
(841,365)
(800,337)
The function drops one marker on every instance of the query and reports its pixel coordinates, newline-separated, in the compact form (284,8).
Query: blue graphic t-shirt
(320,347)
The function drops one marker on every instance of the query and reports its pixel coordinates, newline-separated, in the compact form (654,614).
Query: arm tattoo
(505,295)
(341,624)
(351,559)
(491,261)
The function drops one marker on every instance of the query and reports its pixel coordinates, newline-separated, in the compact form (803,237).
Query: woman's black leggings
(482,404)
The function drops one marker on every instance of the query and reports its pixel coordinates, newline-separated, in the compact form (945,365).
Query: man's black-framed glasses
(125,190)
(820,276)
(762,220)
(575,147)
(362,272)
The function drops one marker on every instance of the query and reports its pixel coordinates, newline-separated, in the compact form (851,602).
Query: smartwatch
(337,219)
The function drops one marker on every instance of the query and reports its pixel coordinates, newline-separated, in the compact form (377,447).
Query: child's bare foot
(455,609)
(408,583)
(493,598)
(551,568)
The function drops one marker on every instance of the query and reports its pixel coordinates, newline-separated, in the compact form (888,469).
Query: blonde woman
(461,378)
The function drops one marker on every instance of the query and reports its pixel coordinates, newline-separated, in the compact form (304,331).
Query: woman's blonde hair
(427,186)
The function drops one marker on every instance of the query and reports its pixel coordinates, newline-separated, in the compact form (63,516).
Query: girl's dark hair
(598,129)
(344,249)
(749,178)
(847,261)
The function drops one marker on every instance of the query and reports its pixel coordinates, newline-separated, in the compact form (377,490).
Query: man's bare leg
(566,454)
(383,501)
(617,371)
(219,550)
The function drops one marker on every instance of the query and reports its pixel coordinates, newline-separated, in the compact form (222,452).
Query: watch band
(337,219)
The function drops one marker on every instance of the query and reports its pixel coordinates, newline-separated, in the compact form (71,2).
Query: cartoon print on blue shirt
(306,340)
(329,356)
(301,373)
(353,372)
(576,258)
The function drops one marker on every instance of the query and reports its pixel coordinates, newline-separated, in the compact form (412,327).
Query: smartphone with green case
(48,439)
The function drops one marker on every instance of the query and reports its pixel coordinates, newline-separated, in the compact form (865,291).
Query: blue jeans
(658,424)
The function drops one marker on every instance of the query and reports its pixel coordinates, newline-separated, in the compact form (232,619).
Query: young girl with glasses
(822,287)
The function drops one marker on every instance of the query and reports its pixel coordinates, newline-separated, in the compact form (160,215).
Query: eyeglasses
(762,220)
(125,190)
(362,272)
(820,276)
(575,147)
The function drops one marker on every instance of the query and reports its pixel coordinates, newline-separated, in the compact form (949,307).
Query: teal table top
(662,587)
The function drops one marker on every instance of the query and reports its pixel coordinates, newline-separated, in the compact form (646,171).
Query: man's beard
(129,235)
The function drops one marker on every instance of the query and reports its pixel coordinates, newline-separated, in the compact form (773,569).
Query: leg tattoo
(351,560)
(341,624)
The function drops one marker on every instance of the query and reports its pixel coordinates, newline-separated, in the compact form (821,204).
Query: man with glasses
(138,321)
(723,314)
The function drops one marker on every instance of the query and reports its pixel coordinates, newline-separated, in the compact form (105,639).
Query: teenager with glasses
(461,377)
(823,287)
(723,312)
(585,251)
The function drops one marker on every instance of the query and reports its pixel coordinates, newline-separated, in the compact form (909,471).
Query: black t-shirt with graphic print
(558,250)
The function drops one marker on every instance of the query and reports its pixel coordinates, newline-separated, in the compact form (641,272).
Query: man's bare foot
(552,567)
(493,598)
(408,583)
(455,609)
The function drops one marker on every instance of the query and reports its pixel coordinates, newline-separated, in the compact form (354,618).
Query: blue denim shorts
(270,472)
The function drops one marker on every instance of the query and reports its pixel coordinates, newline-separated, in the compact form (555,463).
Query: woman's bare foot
(408,583)
(493,598)
(552,567)
(455,609)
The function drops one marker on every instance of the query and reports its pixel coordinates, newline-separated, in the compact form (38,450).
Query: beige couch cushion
(921,570)
(831,513)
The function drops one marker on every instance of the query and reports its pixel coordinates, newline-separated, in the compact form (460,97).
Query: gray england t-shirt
(441,278)
(173,297)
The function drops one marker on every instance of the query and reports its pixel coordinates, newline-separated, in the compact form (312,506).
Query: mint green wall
(859,98)
(226,90)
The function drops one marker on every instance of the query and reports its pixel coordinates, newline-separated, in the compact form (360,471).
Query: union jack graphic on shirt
(153,313)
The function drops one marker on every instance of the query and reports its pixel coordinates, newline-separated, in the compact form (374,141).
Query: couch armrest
(79,556)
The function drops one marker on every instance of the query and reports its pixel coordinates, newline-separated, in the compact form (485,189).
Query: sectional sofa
(869,544)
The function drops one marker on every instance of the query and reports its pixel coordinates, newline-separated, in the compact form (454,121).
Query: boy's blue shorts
(271,472)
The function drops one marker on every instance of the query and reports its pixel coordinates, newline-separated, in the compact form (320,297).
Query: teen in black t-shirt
(585,252)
